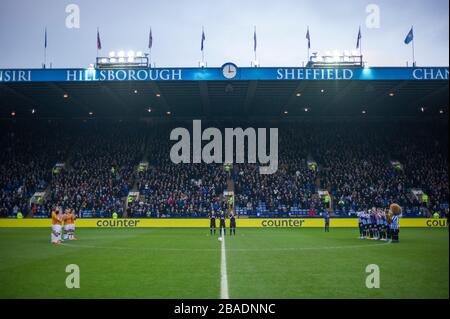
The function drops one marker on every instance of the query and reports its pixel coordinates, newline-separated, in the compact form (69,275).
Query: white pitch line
(223,271)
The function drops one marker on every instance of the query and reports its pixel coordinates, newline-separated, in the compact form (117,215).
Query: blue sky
(176,24)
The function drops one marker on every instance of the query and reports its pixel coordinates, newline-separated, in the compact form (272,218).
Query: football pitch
(256,263)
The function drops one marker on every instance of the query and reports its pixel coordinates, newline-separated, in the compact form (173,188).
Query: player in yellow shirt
(65,218)
(72,218)
(56,226)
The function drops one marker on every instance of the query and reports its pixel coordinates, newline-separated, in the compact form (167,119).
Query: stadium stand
(354,165)
(172,190)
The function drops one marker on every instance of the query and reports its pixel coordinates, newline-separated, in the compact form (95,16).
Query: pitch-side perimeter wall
(201,222)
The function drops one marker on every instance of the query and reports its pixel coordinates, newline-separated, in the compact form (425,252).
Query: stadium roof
(205,92)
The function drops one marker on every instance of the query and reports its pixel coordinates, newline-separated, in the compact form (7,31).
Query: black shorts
(222,224)
(361,226)
(212,224)
(232,224)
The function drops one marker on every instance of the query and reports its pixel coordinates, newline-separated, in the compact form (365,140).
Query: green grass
(185,263)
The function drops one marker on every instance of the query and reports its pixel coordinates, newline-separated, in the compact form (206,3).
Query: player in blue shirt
(360,215)
(365,221)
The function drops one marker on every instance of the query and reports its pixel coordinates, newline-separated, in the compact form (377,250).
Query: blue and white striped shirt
(360,217)
(395,223)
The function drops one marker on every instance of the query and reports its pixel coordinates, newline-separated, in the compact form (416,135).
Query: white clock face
(229,71)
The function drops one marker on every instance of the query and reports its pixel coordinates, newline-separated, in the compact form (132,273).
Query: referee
(232,224)
(212,223)
(222,228)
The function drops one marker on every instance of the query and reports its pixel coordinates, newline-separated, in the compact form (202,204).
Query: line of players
(68,218)
(222,226)
(378,224)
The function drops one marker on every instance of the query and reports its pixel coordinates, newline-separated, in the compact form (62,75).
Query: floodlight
(126,59)
(336,55)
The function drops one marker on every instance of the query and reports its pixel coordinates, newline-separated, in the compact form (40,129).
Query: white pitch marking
(223,271)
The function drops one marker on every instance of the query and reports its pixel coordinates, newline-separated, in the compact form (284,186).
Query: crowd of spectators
(290,190)
(170,189)
(99,172)
(354,164)
(27,156)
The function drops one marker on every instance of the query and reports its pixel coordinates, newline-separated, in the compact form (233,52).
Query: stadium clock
(229,70)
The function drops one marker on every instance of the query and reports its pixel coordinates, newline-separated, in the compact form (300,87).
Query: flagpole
(413,56)
(307,58)
(203,49)
(97,42)
(309,42)
(45,49)
(360,44)
(255,44)
(150,45)
(360,51)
